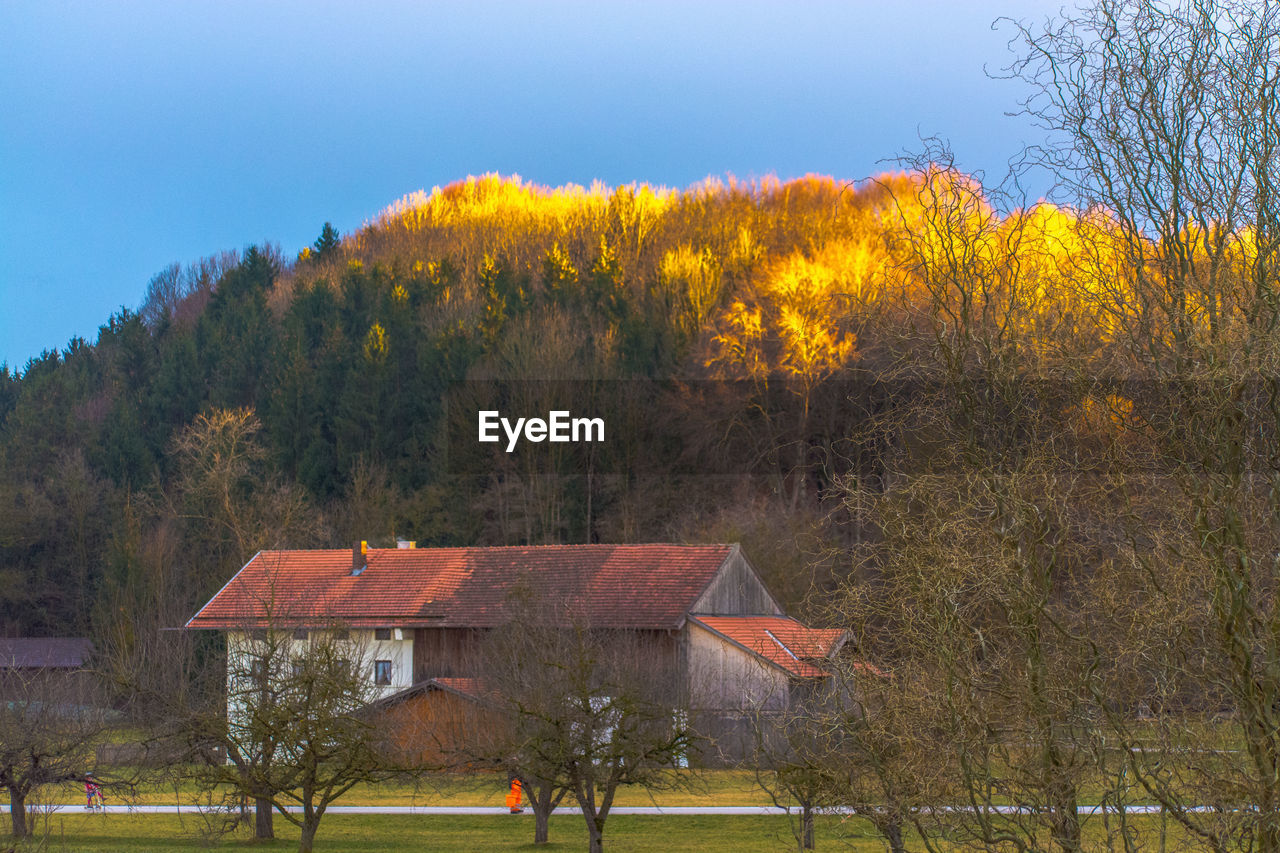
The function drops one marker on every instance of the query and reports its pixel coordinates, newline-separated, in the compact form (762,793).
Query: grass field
(703,788)
(81,833)
(72,830)
(96,833)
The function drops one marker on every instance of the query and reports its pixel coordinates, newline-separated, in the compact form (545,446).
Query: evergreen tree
(327,243)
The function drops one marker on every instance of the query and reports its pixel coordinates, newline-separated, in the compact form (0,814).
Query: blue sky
(133,135)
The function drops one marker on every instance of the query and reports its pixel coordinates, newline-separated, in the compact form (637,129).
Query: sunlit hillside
(770,278)
(748,307)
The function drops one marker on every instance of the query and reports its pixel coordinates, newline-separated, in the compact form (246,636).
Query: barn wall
(446,652)
(660,656)
(661,648)
(733,694)
(439,729)
(723,676)
(454,652)
(61,686)
(736,590)
(725,738)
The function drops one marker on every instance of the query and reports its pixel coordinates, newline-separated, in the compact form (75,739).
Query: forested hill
(256,400)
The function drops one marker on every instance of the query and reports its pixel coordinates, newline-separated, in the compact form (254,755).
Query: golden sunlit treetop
(773,278)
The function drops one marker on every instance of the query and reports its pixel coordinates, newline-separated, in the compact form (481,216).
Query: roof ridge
(637,584)
(582,545)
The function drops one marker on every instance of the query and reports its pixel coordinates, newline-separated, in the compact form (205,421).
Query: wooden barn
(420,615)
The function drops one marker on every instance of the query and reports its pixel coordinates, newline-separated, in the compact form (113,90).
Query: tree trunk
(308,839)
(1267,831)
(595,835)
(263,819)
(543,798)
(18,812)
(893,834)
(806,828)
(1065,821)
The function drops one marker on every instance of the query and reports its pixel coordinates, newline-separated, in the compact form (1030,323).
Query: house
(419,616)
(50,668)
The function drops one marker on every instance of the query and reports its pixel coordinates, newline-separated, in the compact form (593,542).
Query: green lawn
(703,788)
(85,833)
(75,831)
(398,834)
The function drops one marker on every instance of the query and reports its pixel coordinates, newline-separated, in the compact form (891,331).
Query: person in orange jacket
(513,796)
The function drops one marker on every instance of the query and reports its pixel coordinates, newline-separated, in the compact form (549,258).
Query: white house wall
(361,642)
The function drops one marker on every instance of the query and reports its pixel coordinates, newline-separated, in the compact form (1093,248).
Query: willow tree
(985,523)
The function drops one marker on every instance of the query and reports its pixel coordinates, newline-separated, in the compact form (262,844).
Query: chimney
(406,544)
(359,558)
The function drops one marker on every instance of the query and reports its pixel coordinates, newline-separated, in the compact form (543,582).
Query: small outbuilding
(48,668)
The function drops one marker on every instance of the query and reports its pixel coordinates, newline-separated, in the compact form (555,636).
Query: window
(258,670)
(341,635)
(300,634)
(382,672)
(382,633)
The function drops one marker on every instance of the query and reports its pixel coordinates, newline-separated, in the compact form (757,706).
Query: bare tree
(847,743)
(985,526)
(296,732)
(275,712)
(1075,540)
(796,764)
(48,730)
(230,507)
(589,709)
(1164,121)
(220,509)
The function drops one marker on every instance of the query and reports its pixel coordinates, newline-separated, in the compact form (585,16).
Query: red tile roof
(623,586)
(472,688)
(780,640)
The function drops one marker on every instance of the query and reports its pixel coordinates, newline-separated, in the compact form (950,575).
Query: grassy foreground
(700,788)
(132,833)
(81,833)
